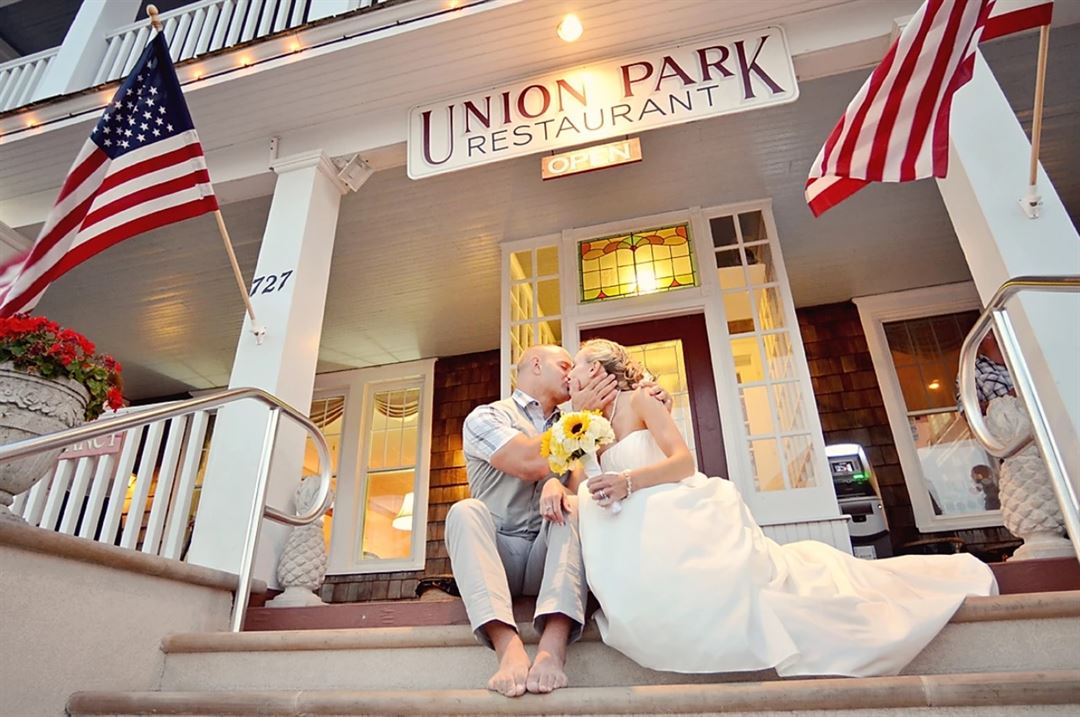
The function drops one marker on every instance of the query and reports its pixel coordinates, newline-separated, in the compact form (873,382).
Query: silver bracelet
(629,482)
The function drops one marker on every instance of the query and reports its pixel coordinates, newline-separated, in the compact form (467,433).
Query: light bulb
(570,28)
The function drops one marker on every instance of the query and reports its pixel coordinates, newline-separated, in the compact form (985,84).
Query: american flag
(141,168)
(897,127)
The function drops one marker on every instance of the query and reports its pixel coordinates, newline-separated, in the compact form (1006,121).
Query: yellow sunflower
(545,444)
(577,425)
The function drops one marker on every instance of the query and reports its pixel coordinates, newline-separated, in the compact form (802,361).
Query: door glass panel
(550,332)
(789,407)
(723,231)
(759,264)
(765,460)
(729,269)
(548,294)
(665,362)
(756,411)
(737,310)
(770,315)
(535,302)
(748,367)
(521,265)
(752,226)
(547,261)
(799,455)
(779,355)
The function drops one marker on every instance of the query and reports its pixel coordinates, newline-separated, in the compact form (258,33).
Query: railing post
(77,63)
(255,518)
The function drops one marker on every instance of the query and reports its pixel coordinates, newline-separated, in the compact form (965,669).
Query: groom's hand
(595,395)
(653,389)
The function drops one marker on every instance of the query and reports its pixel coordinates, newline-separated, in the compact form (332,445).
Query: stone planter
(33,406)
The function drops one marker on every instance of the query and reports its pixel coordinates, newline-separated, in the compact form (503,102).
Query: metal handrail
(996,316)
(135,419)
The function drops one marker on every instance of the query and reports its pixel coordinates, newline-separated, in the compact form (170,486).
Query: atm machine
(859,497)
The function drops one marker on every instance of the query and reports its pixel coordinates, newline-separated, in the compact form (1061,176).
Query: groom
(499,543)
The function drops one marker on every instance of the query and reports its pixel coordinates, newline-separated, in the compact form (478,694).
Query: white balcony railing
(20,77)
(199,28)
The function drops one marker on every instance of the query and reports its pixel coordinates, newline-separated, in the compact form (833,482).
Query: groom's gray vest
(514,503)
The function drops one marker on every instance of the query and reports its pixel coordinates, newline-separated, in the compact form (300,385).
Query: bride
(688,582)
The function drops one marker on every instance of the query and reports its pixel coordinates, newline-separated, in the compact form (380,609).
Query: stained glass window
(646,262)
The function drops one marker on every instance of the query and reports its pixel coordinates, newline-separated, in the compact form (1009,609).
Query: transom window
(645,262)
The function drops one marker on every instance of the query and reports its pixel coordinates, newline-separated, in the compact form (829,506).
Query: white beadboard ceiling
(483,50)
(416,273)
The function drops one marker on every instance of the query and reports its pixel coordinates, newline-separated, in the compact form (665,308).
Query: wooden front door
(676,352)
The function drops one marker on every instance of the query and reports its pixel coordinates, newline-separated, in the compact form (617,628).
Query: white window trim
(874,313)
(781,507)
(359,386)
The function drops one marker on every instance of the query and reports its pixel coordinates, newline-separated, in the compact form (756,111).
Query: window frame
(360,387)
(874,312)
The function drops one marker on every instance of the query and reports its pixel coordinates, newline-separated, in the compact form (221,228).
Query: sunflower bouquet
(576,437)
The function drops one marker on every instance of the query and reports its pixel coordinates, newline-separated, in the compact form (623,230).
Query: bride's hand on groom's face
(607,487)
(596,394)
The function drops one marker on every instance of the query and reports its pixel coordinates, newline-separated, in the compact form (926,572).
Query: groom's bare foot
(513,670)
(546,674)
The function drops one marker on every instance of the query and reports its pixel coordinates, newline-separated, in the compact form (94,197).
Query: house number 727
(274,282)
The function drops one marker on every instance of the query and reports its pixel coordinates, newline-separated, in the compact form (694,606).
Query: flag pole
(256,327)
(1033,201)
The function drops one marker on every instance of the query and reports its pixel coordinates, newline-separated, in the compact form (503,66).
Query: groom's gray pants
(491,568)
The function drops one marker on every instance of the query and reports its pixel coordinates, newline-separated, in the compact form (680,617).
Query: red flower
(36,345)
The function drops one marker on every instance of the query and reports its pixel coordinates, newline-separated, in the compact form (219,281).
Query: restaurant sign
(648,90)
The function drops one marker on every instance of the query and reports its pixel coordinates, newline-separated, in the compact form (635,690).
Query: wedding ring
(603,495)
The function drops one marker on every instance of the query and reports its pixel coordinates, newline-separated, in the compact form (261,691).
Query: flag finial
(152,12)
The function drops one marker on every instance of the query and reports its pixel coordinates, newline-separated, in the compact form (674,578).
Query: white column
(299,237)
(988,173)
(83,50)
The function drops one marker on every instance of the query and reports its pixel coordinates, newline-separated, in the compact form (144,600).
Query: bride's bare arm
(679,463)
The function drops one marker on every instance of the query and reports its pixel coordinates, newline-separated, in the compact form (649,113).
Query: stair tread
(975,609)
(1058,687)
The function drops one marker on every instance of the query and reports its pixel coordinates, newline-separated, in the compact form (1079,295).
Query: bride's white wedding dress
(688,582)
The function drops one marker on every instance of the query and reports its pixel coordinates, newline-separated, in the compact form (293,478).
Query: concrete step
(1008,633)
(1029,694)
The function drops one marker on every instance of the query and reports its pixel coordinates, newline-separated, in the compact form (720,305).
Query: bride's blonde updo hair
(616,361)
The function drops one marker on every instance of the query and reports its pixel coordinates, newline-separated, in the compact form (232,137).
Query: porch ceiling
(416,272)
(362,83)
